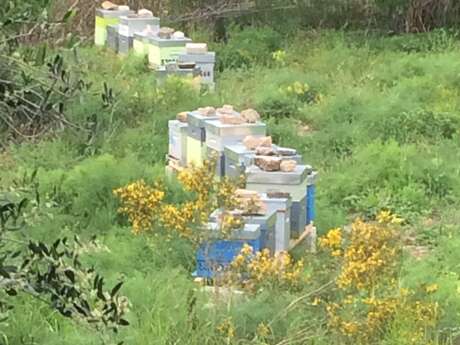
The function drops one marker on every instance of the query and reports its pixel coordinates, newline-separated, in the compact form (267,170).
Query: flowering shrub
(303,92)
(368,298)
(145,206)
(140,203)
(279,57)
(254,270)
(360,320)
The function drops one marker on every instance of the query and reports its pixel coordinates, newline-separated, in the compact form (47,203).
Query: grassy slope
(385,134)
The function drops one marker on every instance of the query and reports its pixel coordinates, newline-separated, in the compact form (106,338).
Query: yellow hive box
(196,152)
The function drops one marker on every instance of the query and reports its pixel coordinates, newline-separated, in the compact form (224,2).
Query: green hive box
(165,50)
(105,18)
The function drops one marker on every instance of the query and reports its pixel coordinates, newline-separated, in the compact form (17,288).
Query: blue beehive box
(215,255)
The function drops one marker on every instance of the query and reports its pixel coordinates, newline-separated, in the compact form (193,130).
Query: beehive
(267,224)
(178,141)
(140,44)
(214,255)
(295,183)
(165,50)
(282,233)
(238,157)
(219,135)
(196,137)
(204,61)
(133,23)
(112,37)
(105,18)
(125,44)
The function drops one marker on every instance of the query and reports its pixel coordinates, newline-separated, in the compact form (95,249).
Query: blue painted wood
(213,257)
(311,195)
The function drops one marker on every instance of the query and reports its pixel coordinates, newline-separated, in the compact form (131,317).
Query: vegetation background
(367,91)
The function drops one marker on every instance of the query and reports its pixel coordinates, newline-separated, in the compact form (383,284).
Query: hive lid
(266,219)
(280,202)
(256,175)
(209,57)
(176,123)
(168,42)
(196,119)
(248,232)
(100,12)
(196,48)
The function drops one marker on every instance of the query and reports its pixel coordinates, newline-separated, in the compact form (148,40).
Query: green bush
(248,47)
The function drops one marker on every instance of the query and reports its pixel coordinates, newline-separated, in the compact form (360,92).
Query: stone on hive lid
(231,119)
(207,111)
(145,13)
(288,165)
(196,48)
(165,32)
(226,109)
(268,163)
(178,34)
(182,116)
(250,115)
(252,143)
(123,8)
(284,151)
(108,5)
(265,151)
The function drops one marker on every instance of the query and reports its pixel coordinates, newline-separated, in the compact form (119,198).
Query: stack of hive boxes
(169,52)
(275,177)
(108,15)
(143,21)
(205,60)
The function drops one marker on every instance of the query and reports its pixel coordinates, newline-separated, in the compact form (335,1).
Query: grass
(383,134)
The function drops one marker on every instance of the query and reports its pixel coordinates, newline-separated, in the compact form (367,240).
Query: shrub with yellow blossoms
(253,270)
(145,205)
(370,300)
(332,241)
(140,203)
(370,254)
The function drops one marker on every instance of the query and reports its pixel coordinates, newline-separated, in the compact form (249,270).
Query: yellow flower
(432,288)
(263,330)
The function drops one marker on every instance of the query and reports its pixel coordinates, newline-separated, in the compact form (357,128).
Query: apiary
(282,234)
(133,23)
(106,17)
(219,135)
(165,50)
(196,137)
(112,37)
(214,255)
(178,141)
(266,221)
(294,182)
(204,60)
